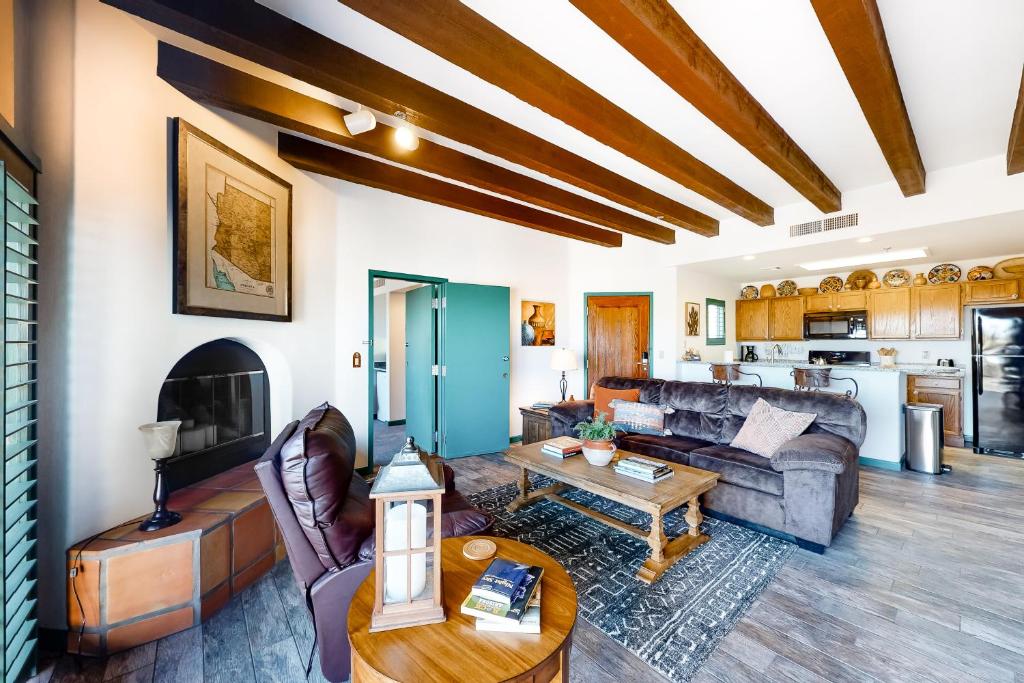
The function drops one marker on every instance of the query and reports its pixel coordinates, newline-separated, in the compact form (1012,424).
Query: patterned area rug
(673,625)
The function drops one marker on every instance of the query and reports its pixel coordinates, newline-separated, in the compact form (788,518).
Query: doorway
(619,330)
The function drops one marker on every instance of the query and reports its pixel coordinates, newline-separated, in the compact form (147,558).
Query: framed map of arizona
(232,233)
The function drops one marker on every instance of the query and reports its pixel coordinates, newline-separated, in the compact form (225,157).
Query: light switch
(357,360)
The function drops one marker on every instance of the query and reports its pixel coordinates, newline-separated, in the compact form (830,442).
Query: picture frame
(691,319)
(232,225)
(537,323)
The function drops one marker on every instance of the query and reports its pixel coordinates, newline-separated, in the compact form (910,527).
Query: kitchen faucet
(774,352)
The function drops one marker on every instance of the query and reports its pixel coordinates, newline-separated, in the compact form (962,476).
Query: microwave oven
(842,325)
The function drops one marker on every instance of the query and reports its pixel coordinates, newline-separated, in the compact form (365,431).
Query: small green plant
(595,429)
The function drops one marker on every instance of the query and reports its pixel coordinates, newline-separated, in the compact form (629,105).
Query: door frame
(372,373)
(586,331)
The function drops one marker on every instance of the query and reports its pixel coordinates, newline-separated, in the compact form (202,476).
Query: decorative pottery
(1010,268)
(786,288)
(807,291)
(874,284)
(866,275)
(749,292)
(832,283)
(537,322)
(946,272)
(767,291)
(980,273)
(528,335)
(598,453)
(920,279)
(898,277)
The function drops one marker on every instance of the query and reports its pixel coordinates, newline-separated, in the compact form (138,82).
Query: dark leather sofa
(805,492)
(323,510)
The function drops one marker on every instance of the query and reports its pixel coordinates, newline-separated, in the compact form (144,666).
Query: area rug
(673,625)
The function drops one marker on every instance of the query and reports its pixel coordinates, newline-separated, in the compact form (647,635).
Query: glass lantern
(407,559)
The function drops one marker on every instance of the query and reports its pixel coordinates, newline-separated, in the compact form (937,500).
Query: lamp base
(161,519)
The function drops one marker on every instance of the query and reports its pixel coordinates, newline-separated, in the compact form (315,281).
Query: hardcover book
(500,580)
(482,608)
(530,623)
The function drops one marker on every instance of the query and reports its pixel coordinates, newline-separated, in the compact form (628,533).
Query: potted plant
(597,435)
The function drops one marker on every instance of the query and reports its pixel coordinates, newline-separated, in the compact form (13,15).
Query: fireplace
(221,394)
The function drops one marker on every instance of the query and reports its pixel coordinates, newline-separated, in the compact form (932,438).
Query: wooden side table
(454,649)
(536,425)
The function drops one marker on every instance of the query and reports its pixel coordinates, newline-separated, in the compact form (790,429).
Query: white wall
(697,288)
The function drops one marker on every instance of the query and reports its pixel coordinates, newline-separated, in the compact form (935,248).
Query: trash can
(925,438)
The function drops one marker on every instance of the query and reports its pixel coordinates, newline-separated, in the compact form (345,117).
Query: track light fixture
(405,134)
(360,121)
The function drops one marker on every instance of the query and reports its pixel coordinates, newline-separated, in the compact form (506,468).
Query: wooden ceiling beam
(456,33)
(854,28)
(249,30)
(654,33)
(215,84)
(1015,148)
(337,163)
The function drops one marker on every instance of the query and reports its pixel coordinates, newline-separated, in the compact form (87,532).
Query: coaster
(479,549)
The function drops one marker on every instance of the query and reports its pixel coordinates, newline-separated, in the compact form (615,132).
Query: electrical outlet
(661,354)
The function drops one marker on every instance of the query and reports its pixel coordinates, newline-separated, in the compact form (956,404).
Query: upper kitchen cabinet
(752,319)
(786,318)
(837,301)
(936,312)
(889,313)
(991,291)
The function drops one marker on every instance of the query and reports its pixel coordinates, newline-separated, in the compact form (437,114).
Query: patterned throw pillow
(639,418)
(767,428)
(604,396)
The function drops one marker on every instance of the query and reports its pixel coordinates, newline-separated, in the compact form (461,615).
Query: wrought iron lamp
(161,439)
(407,558)
(563,359)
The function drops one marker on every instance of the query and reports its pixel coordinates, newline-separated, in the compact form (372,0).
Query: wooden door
(420,361)
(851,301)
(618,336)
(889,313)
(991,291)
(819,303)
(947,392)
(752,320)
(786,318)
(936,311)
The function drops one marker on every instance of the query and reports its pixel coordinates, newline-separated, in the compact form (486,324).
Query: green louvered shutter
(19,403)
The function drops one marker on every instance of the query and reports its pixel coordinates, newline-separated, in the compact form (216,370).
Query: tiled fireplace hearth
(134,587)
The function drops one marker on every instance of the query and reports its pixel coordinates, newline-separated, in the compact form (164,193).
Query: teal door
(475,375)
(420,363)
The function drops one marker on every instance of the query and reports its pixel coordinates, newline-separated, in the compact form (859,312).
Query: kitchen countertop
(907,368)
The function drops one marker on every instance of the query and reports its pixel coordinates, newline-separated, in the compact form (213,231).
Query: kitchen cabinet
(752,319)
(838,301)
(936,311)
(947,392)
(991,291)
(889,313)
(786,318)
(820,303)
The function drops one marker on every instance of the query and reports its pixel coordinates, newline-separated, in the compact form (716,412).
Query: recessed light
(865,240)
(866,259)
(748,257)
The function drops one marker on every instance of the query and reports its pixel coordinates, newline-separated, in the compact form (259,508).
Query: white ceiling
(959,65)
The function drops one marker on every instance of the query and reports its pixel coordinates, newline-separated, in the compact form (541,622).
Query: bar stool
(813,379)
(727,373)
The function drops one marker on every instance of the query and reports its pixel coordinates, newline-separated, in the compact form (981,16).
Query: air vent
(378,282)
(848,220)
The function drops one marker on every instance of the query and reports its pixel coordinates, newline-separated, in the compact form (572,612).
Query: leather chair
(330,557)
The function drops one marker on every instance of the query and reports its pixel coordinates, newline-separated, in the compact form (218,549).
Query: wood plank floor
(925,583)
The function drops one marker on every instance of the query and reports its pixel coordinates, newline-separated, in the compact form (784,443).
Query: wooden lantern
(407,560)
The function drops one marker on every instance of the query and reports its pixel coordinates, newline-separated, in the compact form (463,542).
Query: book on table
(645,477)
(641,468)
(562,446)
(482,608)
(500,581)
(530,623)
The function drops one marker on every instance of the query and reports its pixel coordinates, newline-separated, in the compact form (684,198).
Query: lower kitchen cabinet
(947,392)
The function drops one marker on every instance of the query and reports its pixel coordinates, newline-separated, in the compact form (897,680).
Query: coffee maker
(748,355)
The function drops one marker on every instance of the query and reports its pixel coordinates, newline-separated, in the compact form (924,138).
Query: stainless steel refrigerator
(997,341)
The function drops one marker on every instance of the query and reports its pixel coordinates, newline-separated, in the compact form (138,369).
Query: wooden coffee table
(454,650)
(656,499)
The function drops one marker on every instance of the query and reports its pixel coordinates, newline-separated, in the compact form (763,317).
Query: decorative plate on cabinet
(1010,268)
(945,272)
(832,283)
(898,277)
(980,273)
(767,291)
(786,288)
(856,276)
(749,292)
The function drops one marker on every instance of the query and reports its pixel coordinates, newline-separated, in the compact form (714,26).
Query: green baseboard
(882,464)
(515,439)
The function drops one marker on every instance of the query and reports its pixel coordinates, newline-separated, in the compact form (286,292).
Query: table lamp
(563,359)
(160,439)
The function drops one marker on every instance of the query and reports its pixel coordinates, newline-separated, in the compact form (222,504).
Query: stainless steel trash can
(925,438)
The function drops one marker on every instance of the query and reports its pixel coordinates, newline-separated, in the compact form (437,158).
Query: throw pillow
(603,398)
(640,418)
(767,428)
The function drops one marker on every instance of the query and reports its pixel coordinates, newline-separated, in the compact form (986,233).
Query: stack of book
(642,468)
(542,405)
(562,447)
(506,598)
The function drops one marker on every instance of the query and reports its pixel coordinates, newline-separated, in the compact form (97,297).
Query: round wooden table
(454,649)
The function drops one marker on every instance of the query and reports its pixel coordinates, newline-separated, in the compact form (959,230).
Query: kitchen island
(883,392)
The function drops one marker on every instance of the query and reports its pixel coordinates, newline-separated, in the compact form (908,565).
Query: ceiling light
(748,257)
(866,259)
(360,121)
(406,138)
(865,240)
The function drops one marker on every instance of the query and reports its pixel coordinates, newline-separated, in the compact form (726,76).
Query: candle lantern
(407,560)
